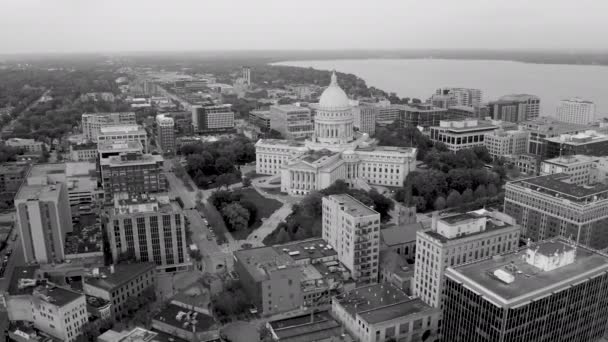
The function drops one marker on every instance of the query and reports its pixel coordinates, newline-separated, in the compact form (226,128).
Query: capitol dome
(333,96)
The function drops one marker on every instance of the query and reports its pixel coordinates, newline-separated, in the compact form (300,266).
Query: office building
(458,239)
(382,312)
(384,111)
(581,168)
(334,152)
(12,176)
(528,164)
(460,135)
(401,238)
(134,335)
(83,151)
(421,115)
(26,145)
(59,312)
(115,148)
(133,173)
(353,230)
(261,119)
(93,122)
(124,133)
(319,326)
(591,143)
(552,205)
(468,97)
(43,218)
(165,134)
(549,291)
(576,111)
(515,108)
(213,119)
(365,119)
(293,122)
(246,74)
(508,144)
(151,229)
(118,284)
(545,127)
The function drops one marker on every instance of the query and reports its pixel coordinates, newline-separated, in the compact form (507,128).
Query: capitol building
(335,152)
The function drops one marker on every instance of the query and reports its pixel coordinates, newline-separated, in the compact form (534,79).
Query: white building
(353,230)
(124,133)
(461,134)
(27,145)
(334,152)
(581,168)
(506,143)
(365,119)
(576,111)
(293,122)
(165,134)
(455,240)
(92,122)
(468,97)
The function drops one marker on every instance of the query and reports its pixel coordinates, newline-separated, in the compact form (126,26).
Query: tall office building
(544,127)
(124,133)
(43,219)
(576,111)
(246,74)
(591,143)
(92,122)
(515,108)
(165,134)
(550,291)
(468,97)
(421,115)
(455,240)
(152,229)
(212,119)
(293,122)
(132,173)
(12,176)
(553,205)
(353,230)
(365,119)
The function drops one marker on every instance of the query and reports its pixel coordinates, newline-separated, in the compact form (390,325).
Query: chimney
(112,269)
(434,221)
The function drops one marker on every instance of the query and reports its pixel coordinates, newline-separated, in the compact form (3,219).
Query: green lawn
(265,208)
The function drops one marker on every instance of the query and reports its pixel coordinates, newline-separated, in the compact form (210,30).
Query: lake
(418,78)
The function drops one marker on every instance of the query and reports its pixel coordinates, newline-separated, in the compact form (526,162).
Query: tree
(236,216)
(246,182)
(301,234)
(420,203)
(480,192)
(467,196)
(223,165)
(492,191)
(45,154)
(439,203)
(454,199)
(224,179)
(282,237)
(382,204)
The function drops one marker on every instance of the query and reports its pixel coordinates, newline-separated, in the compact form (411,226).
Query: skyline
(68,26)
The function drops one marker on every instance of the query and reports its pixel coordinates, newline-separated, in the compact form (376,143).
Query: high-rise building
(421,115)
(43,219)
(151,229)
(581,168)
(515,108)
(501,143)
(132,173)
(552,205)
(353,230)
(246,74)
(591,143)
(576,111)
(165,134)
(385,111)
(382,312)
(458,239)
(365,119)
(461,134)
(468,97)
(92,122)
(544,127)
(12,176)
(123,133)
(212,119)
(293,122)
(550,291)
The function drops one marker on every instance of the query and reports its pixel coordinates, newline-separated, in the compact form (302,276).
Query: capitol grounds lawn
(265,207)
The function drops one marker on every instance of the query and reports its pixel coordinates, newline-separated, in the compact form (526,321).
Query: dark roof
(57,295)
(557,183)
(400,234)
(170,314)
(123,273)
(303,329)
(22,272)
(307,249)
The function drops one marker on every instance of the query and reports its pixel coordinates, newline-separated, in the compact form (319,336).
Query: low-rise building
(550,291)
(528,164)
(380,312)
(401,238)
(395,269)
(186,324)
(421,115)
(134,335)
(27,145)
(120,283)
(459,135)
(545,127)
(365,119)
(293,122)
(83,152)
(319,326)
(458,239)
(124,133)
(581,168)
(508,144)
(591,143)
(12,175)
(261,119)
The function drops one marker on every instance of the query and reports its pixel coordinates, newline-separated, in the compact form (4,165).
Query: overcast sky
(165,25)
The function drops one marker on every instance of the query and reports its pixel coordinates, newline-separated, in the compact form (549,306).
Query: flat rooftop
(38,192)
(12,168)
(123,273)
(380,302)
(84,146)
(400,234)
(529,282)
(57,295)
(177,317)
(290,108)
(304,329)
(306,249)
(318,156)
(571,160)
(579,139)
(22,272)
(142,158)
(280,142)
(118,146)
(396,149)
(260,261)
(558,184)
(86,237)
(118,129)
(492,224)
(352,206)
(517,97)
